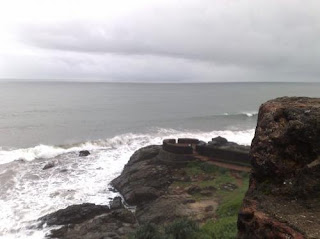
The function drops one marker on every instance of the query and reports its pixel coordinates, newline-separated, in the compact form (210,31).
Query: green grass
(148,231)
(196,168)
(224,226)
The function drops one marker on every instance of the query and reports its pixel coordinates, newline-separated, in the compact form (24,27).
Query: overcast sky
(160,41)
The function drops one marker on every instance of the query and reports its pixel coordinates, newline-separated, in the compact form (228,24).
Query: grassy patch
(230,205)
(224,228)
(148,231)
(227,213)
(179,229)
(196,168)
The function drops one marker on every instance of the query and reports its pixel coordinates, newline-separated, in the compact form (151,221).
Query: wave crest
(248,114)
(130,140)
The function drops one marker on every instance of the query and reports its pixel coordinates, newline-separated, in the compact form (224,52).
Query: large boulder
(84,153)
(283,197)
(116,203)
(74,214)
(223,143)
(144,178)
(48,165)
(90,221)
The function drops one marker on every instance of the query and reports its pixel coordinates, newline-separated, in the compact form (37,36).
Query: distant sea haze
(50,122)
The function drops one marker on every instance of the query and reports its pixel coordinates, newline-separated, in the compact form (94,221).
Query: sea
(50,122)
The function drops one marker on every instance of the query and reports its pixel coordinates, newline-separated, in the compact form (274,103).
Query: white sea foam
(48,151)
(27,192)
(250,114)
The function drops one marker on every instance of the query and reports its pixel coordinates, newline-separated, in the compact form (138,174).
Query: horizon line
(17,80)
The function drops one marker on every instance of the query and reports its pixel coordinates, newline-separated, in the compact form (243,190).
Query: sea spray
(29,192)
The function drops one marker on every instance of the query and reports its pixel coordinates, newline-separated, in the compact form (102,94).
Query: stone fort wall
(189,146)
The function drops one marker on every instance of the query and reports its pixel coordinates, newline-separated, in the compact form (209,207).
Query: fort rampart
(190,146)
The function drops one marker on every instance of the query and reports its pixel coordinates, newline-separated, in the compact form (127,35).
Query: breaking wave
(28,192)
(247,114)
(130,140)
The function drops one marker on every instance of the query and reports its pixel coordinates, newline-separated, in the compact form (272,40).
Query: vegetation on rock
(204,175)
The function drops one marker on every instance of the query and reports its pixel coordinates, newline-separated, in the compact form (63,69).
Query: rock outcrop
(90,221)
(144,178)
(74,214)
(146,182)
(84,153)
(48,165)
(283,196)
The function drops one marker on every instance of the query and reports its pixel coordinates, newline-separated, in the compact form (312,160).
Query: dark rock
(84,153)
(48,165)
(116,224)
(223,143)
(283,196)
(210,188)
(74,214)
(182,178)
(145,153)
(112,190)
(116,203)
(228,186)
(219,141)
(193,189)
(142,194)
(189,201)
(209,208)
(90,221)
(206,193)
(144,178)
(164,209)
(174,160)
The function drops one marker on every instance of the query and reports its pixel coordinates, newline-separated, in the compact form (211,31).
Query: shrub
(230,206)
(211,168)
(148,231)
(182,229)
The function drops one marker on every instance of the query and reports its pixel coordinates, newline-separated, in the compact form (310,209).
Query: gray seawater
(66,113)
(51,122)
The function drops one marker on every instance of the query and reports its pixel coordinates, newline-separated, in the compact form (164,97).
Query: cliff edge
(283,199)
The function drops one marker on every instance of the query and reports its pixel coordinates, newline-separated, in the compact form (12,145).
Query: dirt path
(224,165)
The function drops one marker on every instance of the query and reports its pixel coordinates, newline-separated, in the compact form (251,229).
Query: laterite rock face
(283,199)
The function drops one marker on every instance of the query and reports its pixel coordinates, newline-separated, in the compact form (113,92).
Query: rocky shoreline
(161,191)
(179,180)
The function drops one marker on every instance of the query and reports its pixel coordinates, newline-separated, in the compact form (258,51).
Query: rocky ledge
(91,221)
(147,182)
(283,196)
(163,186)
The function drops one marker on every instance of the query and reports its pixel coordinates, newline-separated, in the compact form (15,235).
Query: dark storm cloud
(194,41)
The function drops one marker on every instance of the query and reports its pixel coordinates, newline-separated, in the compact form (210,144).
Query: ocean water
(52,122)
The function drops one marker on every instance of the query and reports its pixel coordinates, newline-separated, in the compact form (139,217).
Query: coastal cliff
(176,183)
(283,196)
(186,180)
(177,190)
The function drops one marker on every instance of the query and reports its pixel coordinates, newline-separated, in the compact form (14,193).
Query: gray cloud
(197,41)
